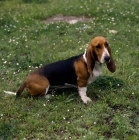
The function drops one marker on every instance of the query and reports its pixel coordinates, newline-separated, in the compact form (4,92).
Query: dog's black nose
(107,58)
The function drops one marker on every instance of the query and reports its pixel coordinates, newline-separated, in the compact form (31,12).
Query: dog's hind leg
(37,85)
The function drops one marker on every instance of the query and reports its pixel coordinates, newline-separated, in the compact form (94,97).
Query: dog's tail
(9,92)
(20,90)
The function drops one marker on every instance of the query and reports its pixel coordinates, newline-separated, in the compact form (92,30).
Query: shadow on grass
(35,1)
(8,130)
(103,83)
(107,82)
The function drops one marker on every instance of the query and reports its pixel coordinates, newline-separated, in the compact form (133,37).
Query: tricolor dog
(79,70)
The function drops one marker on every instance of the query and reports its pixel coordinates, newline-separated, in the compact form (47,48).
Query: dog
(79,70)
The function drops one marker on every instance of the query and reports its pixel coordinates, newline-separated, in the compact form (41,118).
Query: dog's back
(61,72)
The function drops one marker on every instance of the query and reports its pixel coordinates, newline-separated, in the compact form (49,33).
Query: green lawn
(27,42)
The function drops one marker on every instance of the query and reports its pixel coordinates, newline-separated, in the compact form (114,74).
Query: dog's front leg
(82,92)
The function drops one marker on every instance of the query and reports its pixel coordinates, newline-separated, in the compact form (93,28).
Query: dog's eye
(98,46)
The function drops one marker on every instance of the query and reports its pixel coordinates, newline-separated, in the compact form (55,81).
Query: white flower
(10,41)
(113,31)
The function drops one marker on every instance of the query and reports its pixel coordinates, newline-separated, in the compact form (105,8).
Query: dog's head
(99,50)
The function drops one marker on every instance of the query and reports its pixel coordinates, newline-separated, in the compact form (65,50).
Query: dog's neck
(96,70)
(97,63)
(95,73)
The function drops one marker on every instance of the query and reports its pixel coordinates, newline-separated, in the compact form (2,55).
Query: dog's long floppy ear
(90,60)
(111,65)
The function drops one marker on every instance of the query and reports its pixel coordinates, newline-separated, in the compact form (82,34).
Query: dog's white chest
(96,73)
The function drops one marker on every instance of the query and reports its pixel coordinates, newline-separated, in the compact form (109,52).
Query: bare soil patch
(68,19)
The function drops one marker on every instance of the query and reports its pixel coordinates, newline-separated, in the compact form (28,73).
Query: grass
(27,42)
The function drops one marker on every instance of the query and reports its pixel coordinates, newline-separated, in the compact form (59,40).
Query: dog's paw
(47,96)
(86,99)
